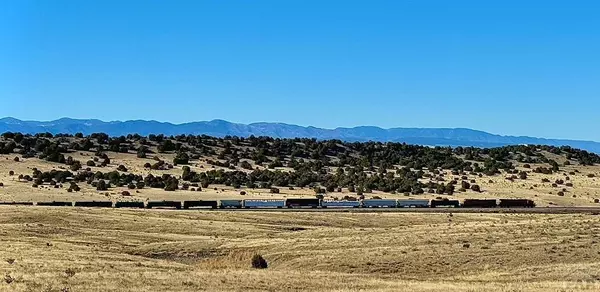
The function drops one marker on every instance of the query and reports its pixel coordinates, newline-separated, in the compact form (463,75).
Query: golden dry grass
(79,249)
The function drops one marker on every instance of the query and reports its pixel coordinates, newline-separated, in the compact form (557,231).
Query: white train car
(378,203)
(340,204)
(413,203)
(264,203)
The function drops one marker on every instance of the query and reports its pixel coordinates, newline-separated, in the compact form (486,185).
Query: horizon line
(296,125)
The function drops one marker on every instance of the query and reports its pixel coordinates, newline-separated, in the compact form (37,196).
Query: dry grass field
(79,249)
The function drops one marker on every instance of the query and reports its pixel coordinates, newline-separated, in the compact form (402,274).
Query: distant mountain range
(220,128)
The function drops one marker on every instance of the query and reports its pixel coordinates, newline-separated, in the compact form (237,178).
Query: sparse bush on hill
(166,146)
(74,187)
(185,186)
(181,158)
(523,175)
(465,185)
(246,165)
(101,185)
(543,170)
(319,190)
(171,184)
(141,152)
(75,166)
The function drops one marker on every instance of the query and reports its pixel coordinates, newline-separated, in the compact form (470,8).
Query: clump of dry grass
(70,272)
(258,262)
(8,279)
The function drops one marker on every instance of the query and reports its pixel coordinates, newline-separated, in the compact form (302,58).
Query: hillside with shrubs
(133,163)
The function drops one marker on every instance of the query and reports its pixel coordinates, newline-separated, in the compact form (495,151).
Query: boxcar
(412,203)
(445,203)
(98,204)
(55,204)
(302,203)
(264,203)
(340,204)
(516,203)
(480,203)
(230,204)
(378,203)
(163,204)
(17,203)
(129,204)
(200,204)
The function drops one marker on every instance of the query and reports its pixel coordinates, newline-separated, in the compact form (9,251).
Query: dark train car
(17,203)
(97,204)
(55,204)
(480,203)
(302,203)
(163,204)
(444,203)
(516,203)
(231,204)
(200,204)
(129,205)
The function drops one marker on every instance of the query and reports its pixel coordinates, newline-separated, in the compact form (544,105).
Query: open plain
(81,249)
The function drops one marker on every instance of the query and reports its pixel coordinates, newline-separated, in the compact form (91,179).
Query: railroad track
(535,210)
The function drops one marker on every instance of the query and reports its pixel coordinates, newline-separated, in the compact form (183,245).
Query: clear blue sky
(507,67)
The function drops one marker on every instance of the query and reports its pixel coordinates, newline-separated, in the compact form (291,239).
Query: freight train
(313,203)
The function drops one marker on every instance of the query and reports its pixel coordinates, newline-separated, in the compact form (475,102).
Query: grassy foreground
(54,249)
